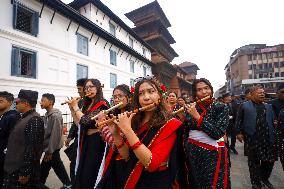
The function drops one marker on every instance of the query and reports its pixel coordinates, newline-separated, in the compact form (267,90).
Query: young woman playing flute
(91,148)
(148,148)
(205,126)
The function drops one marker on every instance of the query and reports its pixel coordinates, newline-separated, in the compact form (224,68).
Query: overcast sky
(208,31)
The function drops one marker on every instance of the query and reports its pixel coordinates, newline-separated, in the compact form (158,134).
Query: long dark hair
(99,95)
(125,89)
(194,84)
(160,115)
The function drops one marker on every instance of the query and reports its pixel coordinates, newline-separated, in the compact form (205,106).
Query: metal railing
(67,120)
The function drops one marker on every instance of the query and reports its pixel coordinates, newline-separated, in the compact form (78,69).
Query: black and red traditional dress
(91,149)
(207,156)
(162,171)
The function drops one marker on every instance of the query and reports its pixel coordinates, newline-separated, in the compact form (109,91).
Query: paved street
(239,173)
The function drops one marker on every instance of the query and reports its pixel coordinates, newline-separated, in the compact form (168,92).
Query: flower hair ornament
(132,89)
(163,90)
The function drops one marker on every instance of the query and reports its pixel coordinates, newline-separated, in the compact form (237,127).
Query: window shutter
(78,71)
(35,23)
(110,56)
(132,66)
(85,45)
(87,72)
(15,8)
(113,80)
(15,62)
(79,43)
(34,65)
(114,57)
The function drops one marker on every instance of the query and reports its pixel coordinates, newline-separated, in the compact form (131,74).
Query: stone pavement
(239,172)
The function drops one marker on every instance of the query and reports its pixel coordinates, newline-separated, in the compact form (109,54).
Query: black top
(34,135)
(214,123)
(7,123)
(259,143)
(277,105)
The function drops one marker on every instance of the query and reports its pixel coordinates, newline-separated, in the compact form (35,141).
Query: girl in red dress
(150,145)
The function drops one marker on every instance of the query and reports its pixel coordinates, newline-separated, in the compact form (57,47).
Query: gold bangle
(149,162)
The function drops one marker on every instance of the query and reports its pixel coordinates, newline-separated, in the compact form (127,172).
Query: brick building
(255,64)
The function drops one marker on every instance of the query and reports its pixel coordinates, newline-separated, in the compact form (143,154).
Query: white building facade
(47,45)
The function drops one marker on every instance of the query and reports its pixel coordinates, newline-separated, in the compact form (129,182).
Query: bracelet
(136,145)
(149,162)
(120,145)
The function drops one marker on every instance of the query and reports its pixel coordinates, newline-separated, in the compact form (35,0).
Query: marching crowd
(147,137)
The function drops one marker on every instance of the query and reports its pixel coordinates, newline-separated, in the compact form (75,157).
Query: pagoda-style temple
(179,83)
(190,69)
(151,25)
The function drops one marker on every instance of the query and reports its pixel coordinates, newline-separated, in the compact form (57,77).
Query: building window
(25,19)
(265,75)
(270,65)
(282,74)
(82,44)
(260,76)
(144,71)
(276,74)
(280,53)
(276,64)
(131,42)
(249,57)
(265,65)
(250,67)
(260,66)
(254,56)
(113,80)
(281,64)
(250,76)
(23,63)
(275,55)
(112,29)
(132,83)
(82,71)
(144,51)
(112,56)
(132,66)
(264,56)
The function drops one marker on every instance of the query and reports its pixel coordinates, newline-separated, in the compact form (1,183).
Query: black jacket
(7,123)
